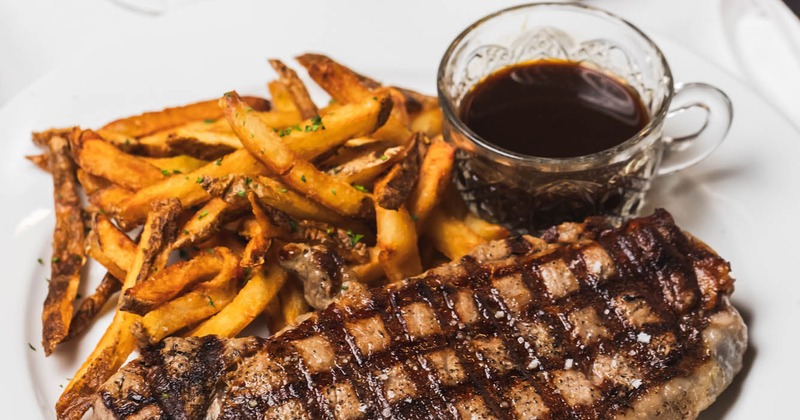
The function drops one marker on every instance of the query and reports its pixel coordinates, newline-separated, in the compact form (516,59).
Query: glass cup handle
(683,152)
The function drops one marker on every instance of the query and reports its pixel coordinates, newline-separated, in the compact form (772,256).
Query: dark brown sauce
(554,109)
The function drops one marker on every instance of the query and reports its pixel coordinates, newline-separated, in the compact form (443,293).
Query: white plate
(742,200)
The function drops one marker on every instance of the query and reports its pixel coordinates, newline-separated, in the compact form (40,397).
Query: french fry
(434,177)
(454,205)
(40,160)
(170,282)
(393,189)
(397,242)
(346,86)
(117,343)
(150,122)
(281,99)
(293,303)
(363,169)
(91,183)
(485,229)
(110,199)
(261,240)
(102,159)
(450,235)
(297,89)
(68,253)
(370,271)
(187,188)
(204,223)
(203,301)
(309,139)
(176,165)
(262,288)
(301,175)
(109,246)
(428,121)
(92,304)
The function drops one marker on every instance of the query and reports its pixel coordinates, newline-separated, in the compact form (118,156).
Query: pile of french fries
(187,208)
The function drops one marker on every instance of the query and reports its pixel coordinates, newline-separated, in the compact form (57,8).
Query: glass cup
(530,193)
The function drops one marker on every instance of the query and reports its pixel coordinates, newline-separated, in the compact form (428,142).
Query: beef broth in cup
(557,111)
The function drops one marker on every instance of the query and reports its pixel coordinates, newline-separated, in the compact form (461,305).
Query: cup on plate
(529,192)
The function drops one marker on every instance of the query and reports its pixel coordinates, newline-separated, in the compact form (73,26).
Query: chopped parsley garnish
(200,179)
(248,180)
(354,237)
(328,231)
(384,158)
(209,120)
(210,301)
(345,286)
(176,171)
(240,193)
(31,346)
(303,178)
(414,217)
(185,231)
(56,259)
(203,214)
(333,192)
(293,225)
(374,98)
(360,188)
(165,172)
(127,142)
(218,161)
(40,261)
(283,190)
(316,124)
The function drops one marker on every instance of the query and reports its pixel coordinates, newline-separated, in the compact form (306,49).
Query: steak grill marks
(628,301)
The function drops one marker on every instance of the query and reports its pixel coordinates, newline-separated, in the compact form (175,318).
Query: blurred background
(758,41)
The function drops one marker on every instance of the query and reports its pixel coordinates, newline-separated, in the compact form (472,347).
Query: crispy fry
(346,86)
(485,229)
(262,288)
(176,165)
(261,240)
(273,193)
(397,242)
(281,99)
(150,122)
(42,138)
(434,177)
(204,223)
(203,301)
(187,188)
(91,305)
(109,246)
(293,303)
(118,342)
(41,160)
(68,254)
(91,183)
(102,159)
(370,271)
(110,199)
(297,89)
(417,102)
(392,190)
(170,282)
(450,235)
(428,121)
(363,169)
(301,175)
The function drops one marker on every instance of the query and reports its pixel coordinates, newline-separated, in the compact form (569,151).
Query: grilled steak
(589,322)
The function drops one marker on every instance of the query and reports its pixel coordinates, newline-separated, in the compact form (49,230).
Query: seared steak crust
(593,322)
